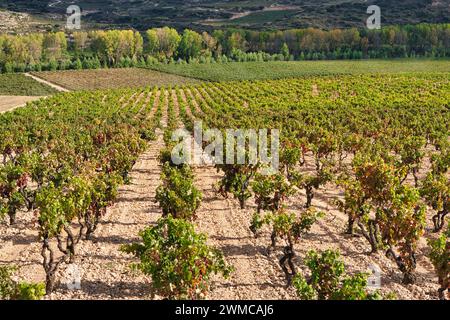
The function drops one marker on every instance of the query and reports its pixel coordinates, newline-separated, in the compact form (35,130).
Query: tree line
(126,48)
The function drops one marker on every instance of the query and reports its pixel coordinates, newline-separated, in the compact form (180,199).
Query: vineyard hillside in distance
(235,71)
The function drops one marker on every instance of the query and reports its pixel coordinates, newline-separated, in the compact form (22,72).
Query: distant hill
(13,22)
(253,14)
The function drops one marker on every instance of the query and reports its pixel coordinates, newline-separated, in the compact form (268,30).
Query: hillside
(207,14)
(18,21)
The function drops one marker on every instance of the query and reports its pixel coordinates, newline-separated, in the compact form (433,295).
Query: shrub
(53,65)
(20,67)
(237,181)
(177,259)
(328,280)
(9,67)
(63,65)
(13,185)
(166,155)
(290,228)
(177,195)
(399,220)
(13,290)
(440,257)
(142,63)
(30,67)
(77,65)
(150,61)
(271,191)
(96,64)
(436,192)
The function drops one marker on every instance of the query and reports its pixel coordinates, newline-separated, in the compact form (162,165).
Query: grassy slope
(276,70)
(20,85)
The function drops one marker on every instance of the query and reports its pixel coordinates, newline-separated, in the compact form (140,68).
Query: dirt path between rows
(50,84)
(256,276)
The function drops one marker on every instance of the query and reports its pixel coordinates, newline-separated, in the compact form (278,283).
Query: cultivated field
(20,85)
(111,78)
(292,69)
(103,151)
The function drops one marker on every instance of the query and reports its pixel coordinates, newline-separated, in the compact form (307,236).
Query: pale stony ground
(106,272)
(16,22)
(259,276)
(13,22)
(256,276)
(8,103)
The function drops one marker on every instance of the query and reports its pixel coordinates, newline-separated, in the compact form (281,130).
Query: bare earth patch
(11,102)
(13,22)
